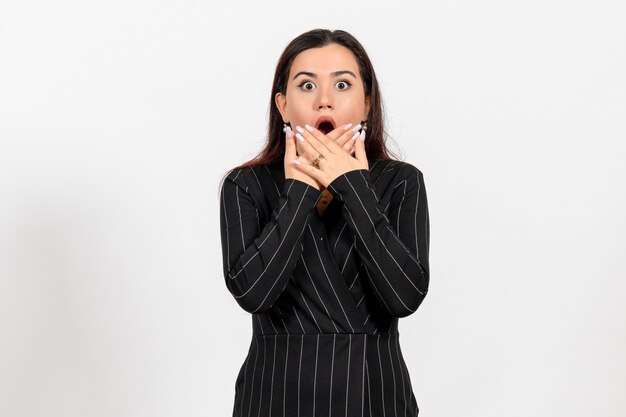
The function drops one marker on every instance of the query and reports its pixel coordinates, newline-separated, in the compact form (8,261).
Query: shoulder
(391,170)
(239,175)
(256,180)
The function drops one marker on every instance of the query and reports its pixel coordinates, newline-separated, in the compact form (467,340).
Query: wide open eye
(342,85)
(307,86)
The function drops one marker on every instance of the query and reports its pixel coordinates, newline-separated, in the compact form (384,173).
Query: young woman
(325,241)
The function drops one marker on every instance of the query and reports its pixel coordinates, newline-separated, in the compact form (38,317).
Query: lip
(325,119)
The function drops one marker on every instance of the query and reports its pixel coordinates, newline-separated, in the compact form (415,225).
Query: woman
(325,241)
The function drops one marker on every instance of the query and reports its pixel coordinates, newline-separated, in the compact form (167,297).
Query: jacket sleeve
(394,249)
(258,259)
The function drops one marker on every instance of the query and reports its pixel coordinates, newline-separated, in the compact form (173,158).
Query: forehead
(324,60)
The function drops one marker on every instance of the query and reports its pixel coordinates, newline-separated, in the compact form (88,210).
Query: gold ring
(316,161)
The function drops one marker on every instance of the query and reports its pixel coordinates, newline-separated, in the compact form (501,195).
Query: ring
(316,161)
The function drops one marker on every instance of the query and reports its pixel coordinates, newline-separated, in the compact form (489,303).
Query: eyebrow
(334,74)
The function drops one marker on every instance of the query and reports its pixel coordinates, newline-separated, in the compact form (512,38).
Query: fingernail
(299,129)
(351,151)
(363,135)
(295,161)
(356,135)
(300,137)
(288,131)
(348,126)
(309,128)
(357,127)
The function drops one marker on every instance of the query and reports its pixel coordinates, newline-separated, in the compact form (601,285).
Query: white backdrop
(118,119)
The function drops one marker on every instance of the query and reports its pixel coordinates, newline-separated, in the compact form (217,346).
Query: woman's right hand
(290,155)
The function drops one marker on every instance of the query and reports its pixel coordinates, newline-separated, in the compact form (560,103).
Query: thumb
(359,148)
(290,145)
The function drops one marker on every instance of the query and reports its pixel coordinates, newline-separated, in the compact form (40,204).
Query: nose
(324,99)
(325,104)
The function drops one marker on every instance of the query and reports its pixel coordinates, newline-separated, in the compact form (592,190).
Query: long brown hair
(375,147)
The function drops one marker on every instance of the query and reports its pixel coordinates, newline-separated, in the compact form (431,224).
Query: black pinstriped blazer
(325,292)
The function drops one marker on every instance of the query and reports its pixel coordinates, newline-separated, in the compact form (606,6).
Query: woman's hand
(337,135)
(341,135)
(334,160)
(290,168)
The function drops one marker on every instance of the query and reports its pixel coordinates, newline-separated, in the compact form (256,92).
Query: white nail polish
(363,136)
(357,128)
(299,129)
(309,128)
(356,135)
(348,126)
(300,137)
(288,131)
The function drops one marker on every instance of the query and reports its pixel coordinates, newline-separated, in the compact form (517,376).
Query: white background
(118,119)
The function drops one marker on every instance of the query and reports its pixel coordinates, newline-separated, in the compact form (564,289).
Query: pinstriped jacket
(326,291)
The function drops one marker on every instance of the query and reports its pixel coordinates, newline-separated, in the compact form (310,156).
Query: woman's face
(324,90)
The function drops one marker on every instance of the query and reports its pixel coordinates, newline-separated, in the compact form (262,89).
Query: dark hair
(375,147)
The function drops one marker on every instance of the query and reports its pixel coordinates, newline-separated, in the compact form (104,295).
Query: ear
(367,108)
(281,104)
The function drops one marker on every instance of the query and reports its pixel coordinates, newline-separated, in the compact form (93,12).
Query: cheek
(303,118)
(297,108)
(355,107)
(299,119)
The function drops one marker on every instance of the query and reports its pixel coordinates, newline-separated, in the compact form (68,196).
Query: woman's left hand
(335,161)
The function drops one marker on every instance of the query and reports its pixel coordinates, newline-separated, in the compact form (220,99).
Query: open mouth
(325,127)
